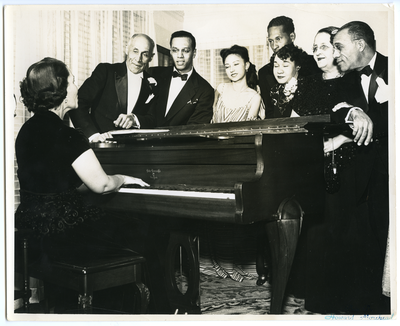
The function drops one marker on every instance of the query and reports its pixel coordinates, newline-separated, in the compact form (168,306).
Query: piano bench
(85,275)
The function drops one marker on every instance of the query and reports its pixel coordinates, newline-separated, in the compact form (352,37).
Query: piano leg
(263,259)
(189,301)
(283,235)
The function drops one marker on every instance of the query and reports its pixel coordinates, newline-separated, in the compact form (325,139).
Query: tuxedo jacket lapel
(381,65)
(121,88)
(379,71)
(373,86)
(185,95)
(164,91)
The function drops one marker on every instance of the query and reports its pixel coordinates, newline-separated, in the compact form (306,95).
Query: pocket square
(149,98)
(382,93)
(193,102)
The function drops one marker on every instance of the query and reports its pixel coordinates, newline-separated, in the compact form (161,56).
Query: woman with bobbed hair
(55,160)
(239,99)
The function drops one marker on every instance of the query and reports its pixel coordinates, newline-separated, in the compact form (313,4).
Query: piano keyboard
(182,191)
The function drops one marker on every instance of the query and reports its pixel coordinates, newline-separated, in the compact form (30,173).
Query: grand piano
(268,172)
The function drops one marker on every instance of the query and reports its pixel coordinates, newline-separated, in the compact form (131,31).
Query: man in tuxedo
(355,51)
(367,71)
(109,97)
(107,100)
(184,96)
(280,33)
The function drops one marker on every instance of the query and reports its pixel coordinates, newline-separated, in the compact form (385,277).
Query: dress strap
(255,93)
(221,91)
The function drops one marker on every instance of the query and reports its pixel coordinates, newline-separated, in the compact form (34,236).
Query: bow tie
(177,74)
(365,71)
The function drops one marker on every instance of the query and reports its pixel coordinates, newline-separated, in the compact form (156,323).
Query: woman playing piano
(53,161)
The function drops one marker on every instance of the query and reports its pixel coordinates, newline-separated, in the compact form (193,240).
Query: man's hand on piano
(128,180)
(100,138)
(362,127)
(126,121)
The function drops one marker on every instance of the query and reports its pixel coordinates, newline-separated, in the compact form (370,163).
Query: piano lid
(230,129)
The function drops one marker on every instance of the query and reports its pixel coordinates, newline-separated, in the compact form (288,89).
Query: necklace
(324,77)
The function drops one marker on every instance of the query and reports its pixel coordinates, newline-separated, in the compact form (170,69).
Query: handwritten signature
(361,317)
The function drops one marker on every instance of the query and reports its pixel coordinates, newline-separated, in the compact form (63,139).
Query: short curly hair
(45,85)
(292,52)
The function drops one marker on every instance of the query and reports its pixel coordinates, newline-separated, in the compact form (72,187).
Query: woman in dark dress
(286,63)
(53,161)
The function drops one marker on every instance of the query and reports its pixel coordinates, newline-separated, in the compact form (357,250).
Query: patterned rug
(219,296)
(226,297)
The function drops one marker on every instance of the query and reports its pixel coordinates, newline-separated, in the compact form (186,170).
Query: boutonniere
(290,87)
(151,96)
(152,83)
(193,102)
(382,92)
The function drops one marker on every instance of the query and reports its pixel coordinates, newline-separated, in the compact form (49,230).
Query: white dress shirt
(134,85)
(365,80)
(175,88)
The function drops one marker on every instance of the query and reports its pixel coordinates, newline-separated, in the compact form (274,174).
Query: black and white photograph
(200,162)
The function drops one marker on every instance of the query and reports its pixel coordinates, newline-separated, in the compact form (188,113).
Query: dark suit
(193,105)
(103,97)
(266,81)
(372,161)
